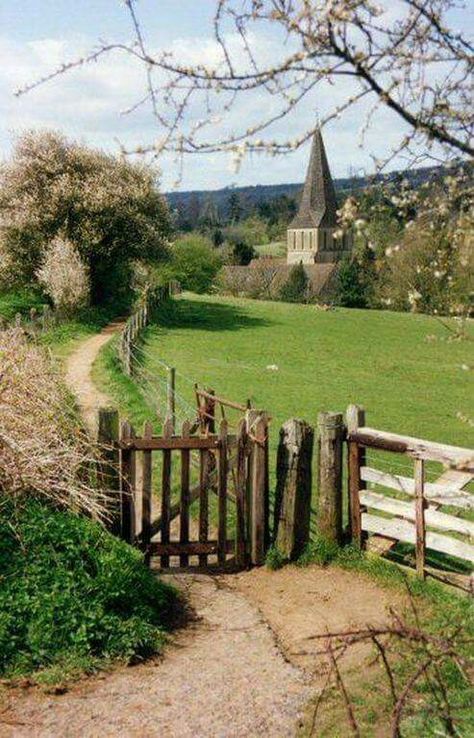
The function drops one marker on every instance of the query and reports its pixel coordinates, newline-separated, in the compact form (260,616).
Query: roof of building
(318,202)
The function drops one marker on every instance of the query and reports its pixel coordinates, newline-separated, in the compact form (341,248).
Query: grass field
(407,382)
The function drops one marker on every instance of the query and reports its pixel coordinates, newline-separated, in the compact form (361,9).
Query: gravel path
(222,676)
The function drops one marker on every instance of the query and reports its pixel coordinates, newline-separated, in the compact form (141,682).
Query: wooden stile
(128,481)
(146,493)
(222,492)
(420,504)
(166,492)
(185,495)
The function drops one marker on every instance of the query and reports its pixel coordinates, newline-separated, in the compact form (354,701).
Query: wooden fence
(411,514)
(35,321)
(140,318)
(233,467)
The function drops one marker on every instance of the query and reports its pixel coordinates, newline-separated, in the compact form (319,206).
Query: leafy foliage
(295,288)
(108,208)
(70,588)
(194,263)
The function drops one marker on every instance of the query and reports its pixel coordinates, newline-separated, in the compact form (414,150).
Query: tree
(243,253)
(194,263)
(295,288)
(110,210)
(413,58)
(234,208)
(64,277)
(356,276)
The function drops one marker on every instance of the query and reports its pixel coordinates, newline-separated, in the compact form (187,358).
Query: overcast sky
(88,104)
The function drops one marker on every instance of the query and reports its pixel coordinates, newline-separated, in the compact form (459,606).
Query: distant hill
(250,197)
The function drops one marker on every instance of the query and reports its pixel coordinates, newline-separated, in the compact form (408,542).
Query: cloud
(87,104)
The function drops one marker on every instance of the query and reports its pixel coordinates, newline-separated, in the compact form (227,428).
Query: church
(314,237)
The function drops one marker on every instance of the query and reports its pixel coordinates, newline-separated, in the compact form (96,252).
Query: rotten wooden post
(356,457)
(331,433)
(420,507)
(293,488)
(109,476)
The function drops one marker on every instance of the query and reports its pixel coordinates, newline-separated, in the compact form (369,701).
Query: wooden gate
(210,505)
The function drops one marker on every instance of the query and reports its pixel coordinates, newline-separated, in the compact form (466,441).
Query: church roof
(318,202)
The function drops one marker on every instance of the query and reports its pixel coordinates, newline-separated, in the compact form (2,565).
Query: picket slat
(146,494)
(222,492)
(185,496)
(166,492)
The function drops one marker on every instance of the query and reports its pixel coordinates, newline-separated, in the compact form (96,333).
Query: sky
(88,104)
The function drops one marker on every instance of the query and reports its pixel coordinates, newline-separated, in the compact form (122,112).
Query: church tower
(312,233)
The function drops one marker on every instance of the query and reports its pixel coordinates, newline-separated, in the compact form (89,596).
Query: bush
(108,208)
(194,263)
(64,276)
(356,280)
(72,591)
(242,253)
(295,288)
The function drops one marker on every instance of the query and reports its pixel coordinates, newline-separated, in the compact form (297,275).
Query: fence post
(420,506)
(331,433)
(18,320)
(45,317)
(355,418)
(257,430)
(128,351)
(109,477)
(171,396)
(293,487)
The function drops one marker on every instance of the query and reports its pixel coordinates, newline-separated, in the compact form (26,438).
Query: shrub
(43,449)
(194,263)
(242,253)
(356,280)
(108,208)
(71,590)
(295,288)
(64,276)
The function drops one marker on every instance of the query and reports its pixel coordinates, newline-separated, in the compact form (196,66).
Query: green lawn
(324,360)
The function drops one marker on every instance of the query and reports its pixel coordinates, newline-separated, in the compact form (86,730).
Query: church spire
(318,202)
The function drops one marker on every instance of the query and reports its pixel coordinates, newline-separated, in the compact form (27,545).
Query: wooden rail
(411,520)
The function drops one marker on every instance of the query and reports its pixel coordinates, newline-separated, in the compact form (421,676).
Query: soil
(244,665)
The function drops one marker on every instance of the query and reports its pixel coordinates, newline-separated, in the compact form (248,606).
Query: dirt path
(236,671)
(78,373)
